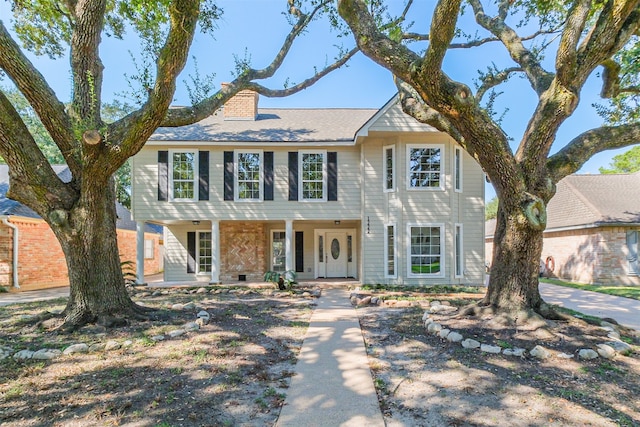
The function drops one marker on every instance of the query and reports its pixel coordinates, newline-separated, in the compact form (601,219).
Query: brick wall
(595,255)
(40,257)
(242,246)
(243,106)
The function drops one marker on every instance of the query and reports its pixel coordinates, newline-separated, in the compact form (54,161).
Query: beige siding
(146,207)
(395,120)
(405,207)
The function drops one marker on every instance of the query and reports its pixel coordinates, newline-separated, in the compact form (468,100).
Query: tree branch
(538,77)
(134,129)
(571,158)
(492,80)
(41,97)
(33,182)
(566,58)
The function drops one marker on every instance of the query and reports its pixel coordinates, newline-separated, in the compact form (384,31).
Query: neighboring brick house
(593,222)
(41,262)
(370,194)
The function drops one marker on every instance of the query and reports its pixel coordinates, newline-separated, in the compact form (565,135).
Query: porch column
(288,245)
(215,251)
(139,252)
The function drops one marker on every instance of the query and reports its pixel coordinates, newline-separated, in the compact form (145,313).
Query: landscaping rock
(204,315)
(515,351)
(469,343)
(621,347)
(177,307)
(454,337)
(425,316)
(565,356)
(112,345)
(587,354)
(428,321)
(177,332)
(191,326)
(76,348)
(157,338)
(374,300)
(606,351)
(23,355)
(127,343)
(46,354)
(539,352)
(364,301)
(5,352)
(97,346)
(202,291)
(494,349)
(434,327)
(444,333)
(189,306)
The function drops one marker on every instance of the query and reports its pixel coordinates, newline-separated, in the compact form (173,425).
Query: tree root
(75,320)
(516,317)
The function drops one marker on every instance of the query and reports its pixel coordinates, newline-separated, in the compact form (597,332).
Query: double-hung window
(425,249)
(204,252)
(389,159)
(425,167)
(183,176)
(459,259)
(457,170)
(390,251)
(313,176)
(632,252)
(249,175)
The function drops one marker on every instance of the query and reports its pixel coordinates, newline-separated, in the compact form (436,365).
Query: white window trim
(386,251)
(278,230)
(457,169)
(198,272)
(236,186)
(393,168)
(458,249)
(410,274)
(442,164)
(324,176)
(195,175)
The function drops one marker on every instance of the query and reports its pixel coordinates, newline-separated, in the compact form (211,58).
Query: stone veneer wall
(41,260)
(242,245)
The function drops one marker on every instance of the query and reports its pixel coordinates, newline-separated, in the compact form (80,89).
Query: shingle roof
(595,199)
(274,125)
(585,200)
(11,207)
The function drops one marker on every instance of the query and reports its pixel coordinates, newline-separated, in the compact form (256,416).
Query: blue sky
(258,27)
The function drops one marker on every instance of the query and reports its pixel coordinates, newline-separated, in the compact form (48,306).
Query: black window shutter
(293,175)
(203,172)
(228,175)
(332,176)
(163,175)
(191,252)
(268,175)
(299,252)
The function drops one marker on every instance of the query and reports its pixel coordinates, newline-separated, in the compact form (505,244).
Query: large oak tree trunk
(513,283)
(88,237)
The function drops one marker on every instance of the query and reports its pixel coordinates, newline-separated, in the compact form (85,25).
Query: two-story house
(329,193)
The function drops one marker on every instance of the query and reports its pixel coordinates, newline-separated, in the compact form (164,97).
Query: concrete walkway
(30,296)
(332,385)
(625,311)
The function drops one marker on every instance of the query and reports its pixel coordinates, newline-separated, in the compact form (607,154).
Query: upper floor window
(425,167)
(389,154)
(313,175)
(184,173)
(457,169)
(248,174)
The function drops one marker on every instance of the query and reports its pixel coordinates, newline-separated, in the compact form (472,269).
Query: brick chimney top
(243,106)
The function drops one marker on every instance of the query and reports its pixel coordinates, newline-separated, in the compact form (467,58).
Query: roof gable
(391,118)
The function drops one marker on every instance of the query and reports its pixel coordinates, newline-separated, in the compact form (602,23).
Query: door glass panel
(335,248)
(279,255)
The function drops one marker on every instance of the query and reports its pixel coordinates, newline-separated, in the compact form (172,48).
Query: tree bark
(88,237)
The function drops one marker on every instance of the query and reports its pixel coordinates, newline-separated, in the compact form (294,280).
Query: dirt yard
(235,369)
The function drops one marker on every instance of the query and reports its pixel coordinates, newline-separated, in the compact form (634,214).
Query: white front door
(335,247)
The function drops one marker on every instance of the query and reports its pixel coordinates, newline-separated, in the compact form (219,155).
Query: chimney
(243,106)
